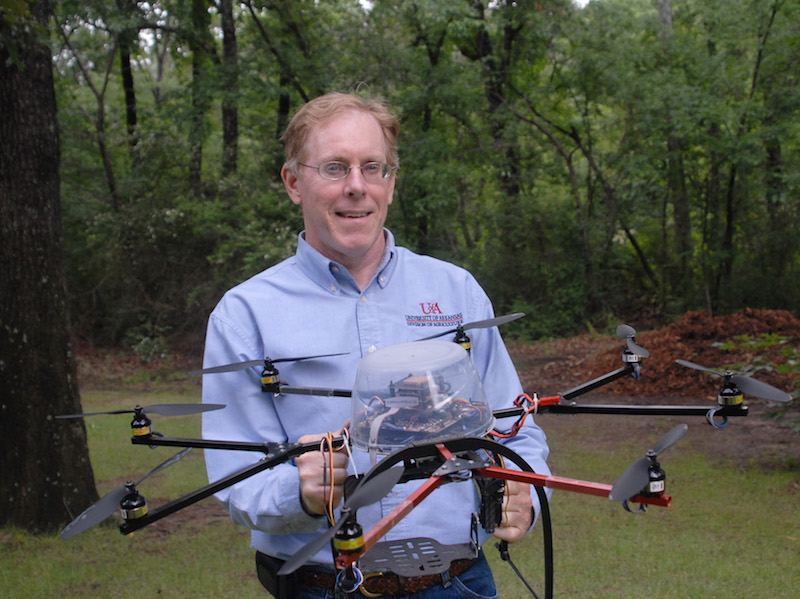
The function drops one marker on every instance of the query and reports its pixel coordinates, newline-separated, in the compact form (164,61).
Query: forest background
(624,161)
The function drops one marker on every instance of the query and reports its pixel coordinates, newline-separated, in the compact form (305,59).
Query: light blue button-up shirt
(309,305)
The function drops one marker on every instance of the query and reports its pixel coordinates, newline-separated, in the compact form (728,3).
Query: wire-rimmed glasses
(336,171)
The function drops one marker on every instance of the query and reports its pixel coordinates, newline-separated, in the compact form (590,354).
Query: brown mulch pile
(765,439)
(695,337)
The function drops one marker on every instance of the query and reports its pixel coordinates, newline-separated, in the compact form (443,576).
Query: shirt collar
(329,274)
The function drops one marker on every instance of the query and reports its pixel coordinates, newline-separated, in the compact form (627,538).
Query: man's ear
(290,181)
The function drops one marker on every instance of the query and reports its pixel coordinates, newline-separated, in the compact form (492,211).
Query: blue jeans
(475,583)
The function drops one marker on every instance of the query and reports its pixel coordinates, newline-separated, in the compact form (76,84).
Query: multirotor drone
(436,427)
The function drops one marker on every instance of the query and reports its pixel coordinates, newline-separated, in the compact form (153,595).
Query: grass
(731,533)
(195,553)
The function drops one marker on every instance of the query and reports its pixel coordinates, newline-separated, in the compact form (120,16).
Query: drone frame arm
(568,484)
(276,454)
(628,369)
(388,522)
(642,410)
(559,404)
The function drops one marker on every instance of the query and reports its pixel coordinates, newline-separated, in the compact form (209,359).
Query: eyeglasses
(336,171)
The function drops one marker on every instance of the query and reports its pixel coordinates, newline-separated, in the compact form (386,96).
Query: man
(348,290)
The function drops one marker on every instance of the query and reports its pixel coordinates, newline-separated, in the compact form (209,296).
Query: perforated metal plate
(414,557)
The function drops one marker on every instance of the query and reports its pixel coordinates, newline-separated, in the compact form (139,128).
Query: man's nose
(354,181)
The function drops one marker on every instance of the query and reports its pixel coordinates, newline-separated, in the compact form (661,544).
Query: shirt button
(334,287)
(364,298)
(381,279)
(372,348)
(334,268)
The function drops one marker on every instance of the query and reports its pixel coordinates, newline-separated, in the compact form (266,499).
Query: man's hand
(313,468)
(517,513)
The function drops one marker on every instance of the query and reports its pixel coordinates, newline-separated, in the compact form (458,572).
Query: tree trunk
(128,87)
(678,196)
(664,8)
(778,248)
(200,95)
(46,479)
(126,40)
(230,115)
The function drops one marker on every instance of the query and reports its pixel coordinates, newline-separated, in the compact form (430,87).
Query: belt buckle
(364,591)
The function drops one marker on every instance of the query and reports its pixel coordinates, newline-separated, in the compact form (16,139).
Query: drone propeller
(109,503)
(266,362)
(637,475)
(480,324)
(628,333)
(165,409)
(746,384)
(368,492)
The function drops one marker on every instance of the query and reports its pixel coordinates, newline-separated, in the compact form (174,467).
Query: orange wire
(329,442)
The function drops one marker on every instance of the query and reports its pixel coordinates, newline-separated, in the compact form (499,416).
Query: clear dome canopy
(417,392)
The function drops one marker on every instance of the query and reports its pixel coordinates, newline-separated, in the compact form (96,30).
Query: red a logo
(430,308)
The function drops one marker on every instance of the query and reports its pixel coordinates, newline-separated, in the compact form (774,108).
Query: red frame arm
(372,536)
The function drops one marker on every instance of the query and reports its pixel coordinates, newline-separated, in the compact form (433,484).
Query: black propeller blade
(746,384)
(637,475)
(165,409)
(628,333)
(366,493)
(253,363)
(479,324)
(97,512)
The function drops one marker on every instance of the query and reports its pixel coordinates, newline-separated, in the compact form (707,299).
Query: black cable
(547,539)
(547,534)
(502,547)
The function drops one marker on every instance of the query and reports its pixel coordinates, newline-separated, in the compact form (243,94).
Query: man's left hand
(517,513)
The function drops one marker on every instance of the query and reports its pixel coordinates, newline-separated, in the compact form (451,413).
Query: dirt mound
(762,343)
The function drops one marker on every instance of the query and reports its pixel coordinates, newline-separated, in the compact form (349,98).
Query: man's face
(343,219)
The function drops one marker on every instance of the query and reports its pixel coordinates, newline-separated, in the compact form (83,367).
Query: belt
(379,583)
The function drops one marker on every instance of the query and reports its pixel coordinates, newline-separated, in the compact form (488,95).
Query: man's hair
(324,108)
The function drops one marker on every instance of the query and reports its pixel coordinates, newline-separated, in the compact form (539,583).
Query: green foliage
(581,162)
(762,341)
(148,343)
(767,351)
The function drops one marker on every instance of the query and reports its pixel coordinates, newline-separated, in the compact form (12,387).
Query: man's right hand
(314,470)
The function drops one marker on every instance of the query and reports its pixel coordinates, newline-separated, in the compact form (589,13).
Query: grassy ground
(194,553)
(731,533)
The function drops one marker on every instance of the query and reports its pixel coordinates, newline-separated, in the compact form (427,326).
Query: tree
(230,116)
(99,93)
(630,157)
(202,48)
(126,39)
(46,475)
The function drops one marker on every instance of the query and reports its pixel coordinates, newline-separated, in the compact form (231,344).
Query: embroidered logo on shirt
(431,315)
(430,308)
